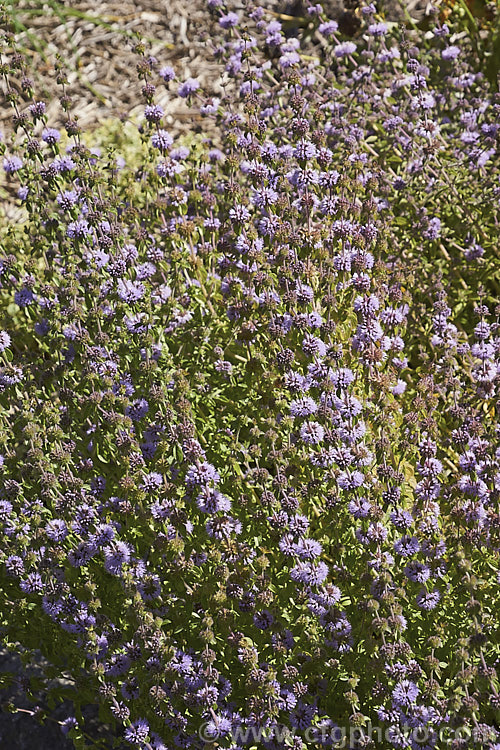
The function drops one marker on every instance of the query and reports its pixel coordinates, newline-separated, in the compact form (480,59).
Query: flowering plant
(250,469)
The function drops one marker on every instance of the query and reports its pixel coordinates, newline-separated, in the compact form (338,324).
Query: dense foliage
(250,470)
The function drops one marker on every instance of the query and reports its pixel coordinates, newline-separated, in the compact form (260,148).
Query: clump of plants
(249,396)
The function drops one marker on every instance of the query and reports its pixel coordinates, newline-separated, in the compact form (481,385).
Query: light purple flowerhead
(405,694)
(56,530)
(153,113)
(188,87)
(312,433)
(162,140)
(344,49)
(229,20)
(428,600)
(4,341)
(210,107)
(167,73)
(179,153)
(451,52)
(138,732)
(328,28)
(51,136)
(37,109)
(12,164)
(377,29)
(115,556)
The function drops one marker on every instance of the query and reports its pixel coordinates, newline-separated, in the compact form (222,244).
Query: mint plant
(249,396)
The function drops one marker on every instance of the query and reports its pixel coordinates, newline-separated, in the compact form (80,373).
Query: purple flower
(301,718)
(138,732)
(167,73)
(433,230)
(221,527)
(312,433)
(162,140)
(56,530)
(348,480)
(63,164)
(450,53)
(348,406)
(229,20)
(342,378)
(304,293)
(224,367)
(344,49)
(153,113)
(289,58)
(157,743)
(5,341)
(5,509)
(407,546)
(137,323)
(24,297)
(117,665)
(313,346)
(210,500)
(305,150)
(201,474)
(328,28)
(82,554)
(417,571)
(67,199)
(378,29)
(359,507)
(215,154)
(309,573)
(152,482)
(179,153)
(37,109)
(32,584)
(263,620)
(405,694)
(308,549)
(265,196)
(78,229)
(130,291)
(14,565)
(298,525)
(51,136)
(137,410)
(428,600)
(326,598)
(303,407)
(188,87)
(104,534)
(12,164)
(210,107)
(399,388)
(287,545)
(115,556)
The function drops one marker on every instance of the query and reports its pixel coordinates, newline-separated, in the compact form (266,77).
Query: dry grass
(96,44)
(96,39)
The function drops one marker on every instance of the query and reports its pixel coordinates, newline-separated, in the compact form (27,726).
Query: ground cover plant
(250,466)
